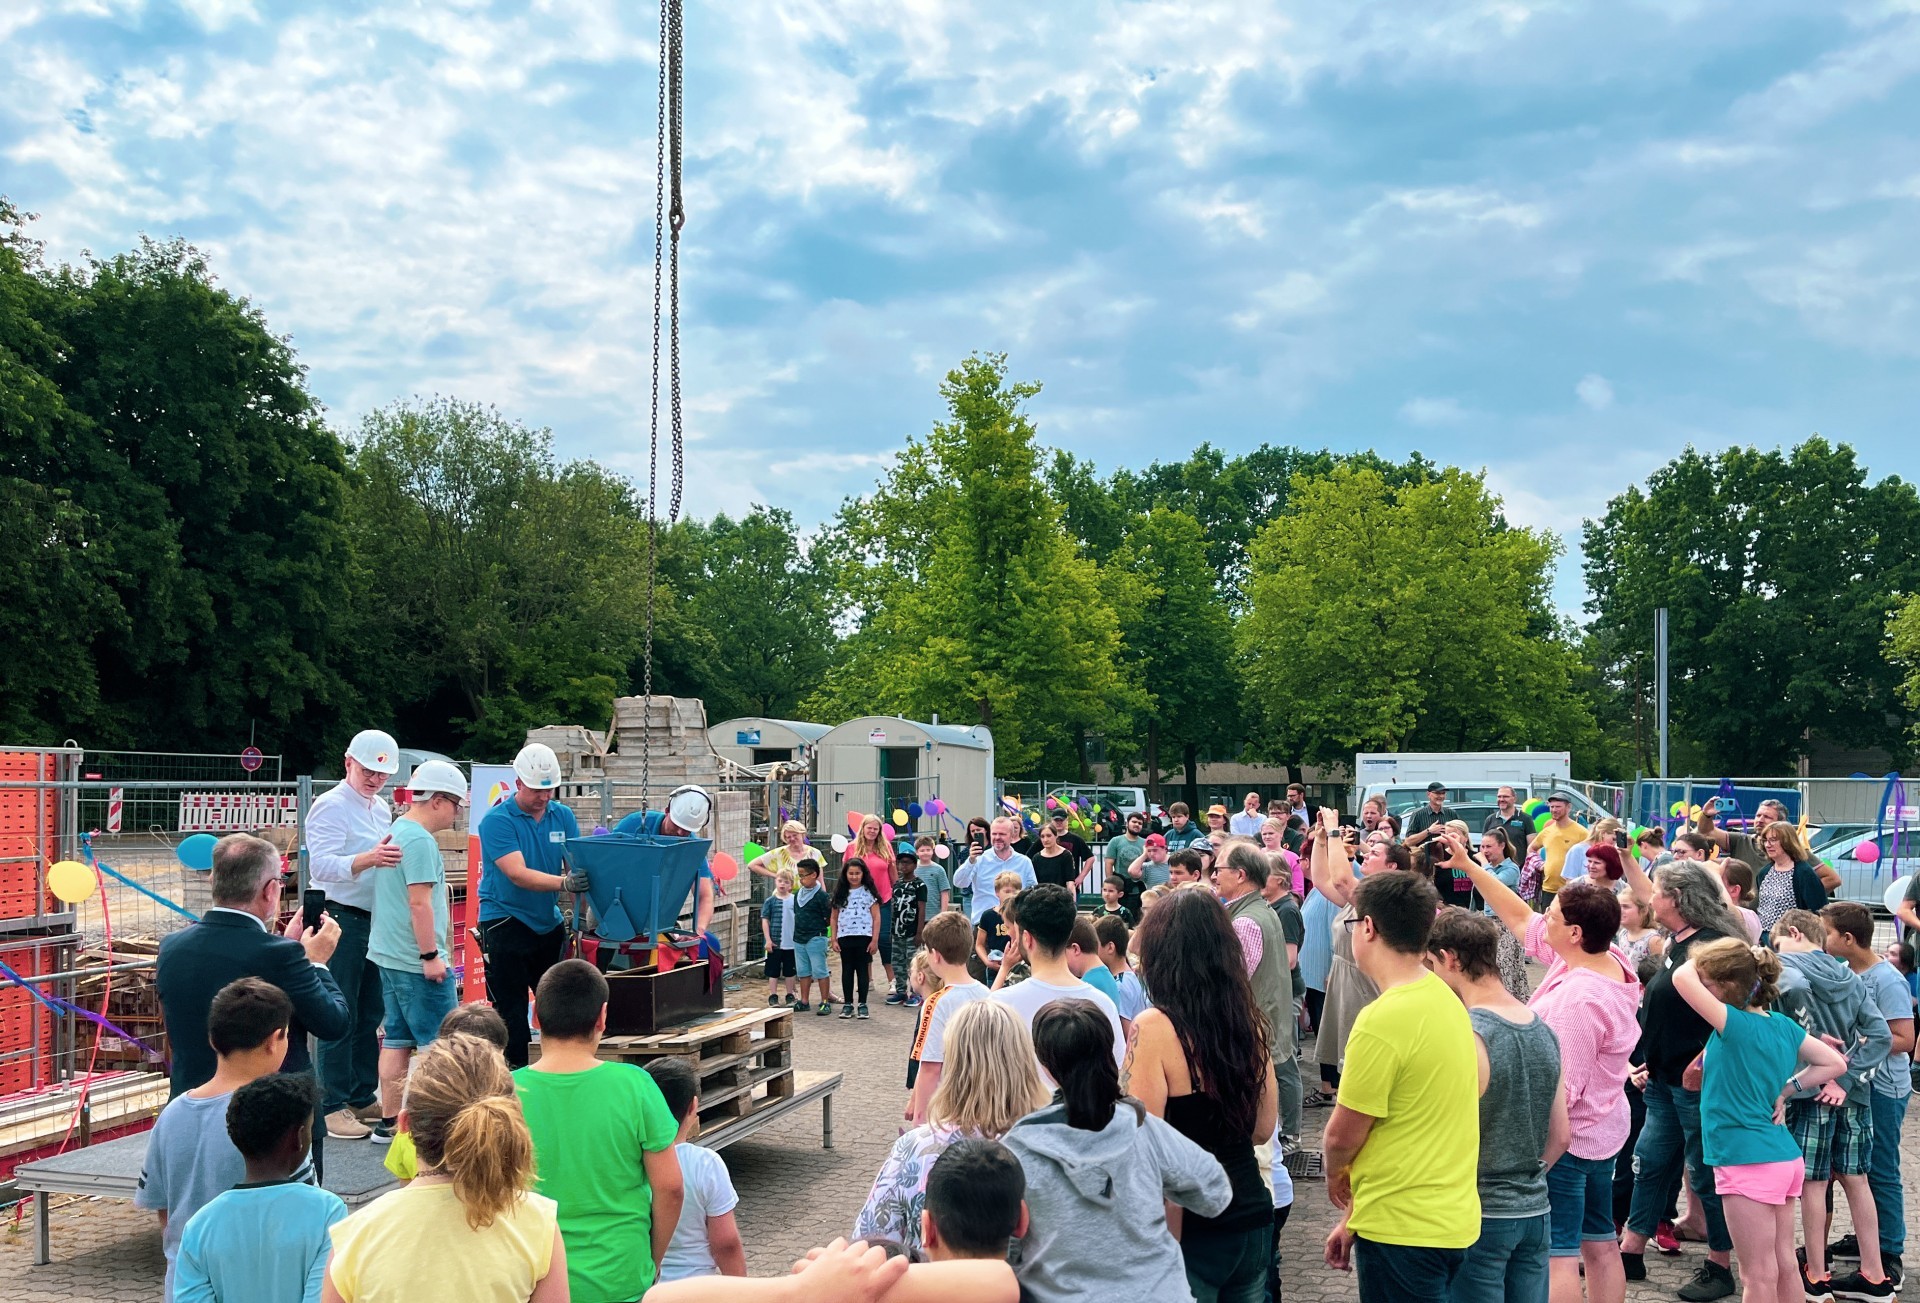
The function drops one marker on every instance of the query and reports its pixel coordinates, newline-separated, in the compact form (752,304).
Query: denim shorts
(811,958)
(1579,1204)
(415,1007)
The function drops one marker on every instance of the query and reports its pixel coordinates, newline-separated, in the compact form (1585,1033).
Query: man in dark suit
(235,940)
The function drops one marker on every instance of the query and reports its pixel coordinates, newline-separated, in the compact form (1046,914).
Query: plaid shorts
(1836,1141)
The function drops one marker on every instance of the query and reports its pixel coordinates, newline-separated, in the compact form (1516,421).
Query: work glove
(575,880)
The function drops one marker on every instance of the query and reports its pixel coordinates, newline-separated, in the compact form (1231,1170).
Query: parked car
(1860,880)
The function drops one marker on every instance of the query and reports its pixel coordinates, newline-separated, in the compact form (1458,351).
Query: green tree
(763,607)
(1383,619)
(1779,572)
(1903,649)
(498,589)
(970,599)
(1179,641)
(178,456)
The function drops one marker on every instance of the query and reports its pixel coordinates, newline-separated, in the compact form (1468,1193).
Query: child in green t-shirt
(602,1142)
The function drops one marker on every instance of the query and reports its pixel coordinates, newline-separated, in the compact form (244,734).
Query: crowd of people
(1536,1039)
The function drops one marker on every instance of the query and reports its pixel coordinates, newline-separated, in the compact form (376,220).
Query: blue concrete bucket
(638,882)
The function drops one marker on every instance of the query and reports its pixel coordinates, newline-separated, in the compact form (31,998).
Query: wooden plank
(723,1023)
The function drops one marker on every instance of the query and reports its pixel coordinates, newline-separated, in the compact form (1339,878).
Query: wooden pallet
(41,1117)
(744,1059)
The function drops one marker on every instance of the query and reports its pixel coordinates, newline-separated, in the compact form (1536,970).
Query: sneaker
(1855,1286)
(896,997)
(846,1011)
(1317,1099)
(1635,1265)
(826,1007)
(1815,1291)
(368,1113)
(383,1131)
(1710,1282)
(793,1002)
(914,1002)
(773,1002)
(863,1012)
(1665,1239)
(343,1125)
(1289,1146)
(1847,1246)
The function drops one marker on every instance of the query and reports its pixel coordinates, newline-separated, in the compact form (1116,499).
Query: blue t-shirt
(390,941)
(1887,988)
(1748,1062)
(258,1242)
(1316,947)
(1101,980)
(507,828)
(647,822)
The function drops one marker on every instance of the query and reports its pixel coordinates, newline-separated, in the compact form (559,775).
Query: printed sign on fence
(236,811)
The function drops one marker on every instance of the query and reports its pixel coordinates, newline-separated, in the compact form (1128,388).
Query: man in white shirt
(348,833)
(1247,822)
(1043,917)
(976,875)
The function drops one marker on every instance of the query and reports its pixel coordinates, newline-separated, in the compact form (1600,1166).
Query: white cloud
(1433,411)
(1594,391)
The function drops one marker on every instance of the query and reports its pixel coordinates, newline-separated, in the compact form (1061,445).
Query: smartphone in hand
(313,903)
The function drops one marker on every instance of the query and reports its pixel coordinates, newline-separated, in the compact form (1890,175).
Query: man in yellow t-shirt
(1403,1144)
(1560,835)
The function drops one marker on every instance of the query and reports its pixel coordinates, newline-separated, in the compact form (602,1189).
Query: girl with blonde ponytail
(468,1228)
(1755,1061)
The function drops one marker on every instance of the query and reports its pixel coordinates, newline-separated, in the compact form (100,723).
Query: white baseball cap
(437,776)
(375,750)
(537,767)
(689,807)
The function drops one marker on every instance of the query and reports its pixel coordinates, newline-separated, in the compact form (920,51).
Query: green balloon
(1541,820)
(751,852)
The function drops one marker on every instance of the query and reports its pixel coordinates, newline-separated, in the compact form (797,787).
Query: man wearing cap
(687,812)
(410,941)
(523,843)
(347,835)
(1553,842)
(1429,820)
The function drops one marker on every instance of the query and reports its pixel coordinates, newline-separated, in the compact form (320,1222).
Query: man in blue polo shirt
(687,812)
(522,844)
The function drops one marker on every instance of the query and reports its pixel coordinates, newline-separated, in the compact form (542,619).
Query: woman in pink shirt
(1591,999)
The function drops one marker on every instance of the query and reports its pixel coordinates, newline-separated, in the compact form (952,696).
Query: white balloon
(839,843)
(942,851)
(1897,893)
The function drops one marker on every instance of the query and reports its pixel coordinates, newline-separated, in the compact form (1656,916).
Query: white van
(1471,776)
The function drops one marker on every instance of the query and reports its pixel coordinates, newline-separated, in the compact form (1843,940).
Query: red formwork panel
(26,1025)
(29,828)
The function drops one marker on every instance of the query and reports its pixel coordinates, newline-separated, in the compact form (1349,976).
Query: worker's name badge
(556,836)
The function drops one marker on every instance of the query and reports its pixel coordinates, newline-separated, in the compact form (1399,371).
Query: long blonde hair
(991,1079)
(861,847)
(465,1120)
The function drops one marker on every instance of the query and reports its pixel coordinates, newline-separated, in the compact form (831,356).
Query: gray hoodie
(1097,1224)
(1824,996)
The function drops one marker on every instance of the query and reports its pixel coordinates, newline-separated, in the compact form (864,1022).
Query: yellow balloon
(71,881)
(899,818)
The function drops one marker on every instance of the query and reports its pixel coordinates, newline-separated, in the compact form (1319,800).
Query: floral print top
(899,1192)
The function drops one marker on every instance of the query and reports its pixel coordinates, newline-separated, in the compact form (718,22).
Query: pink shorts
(1773,1183)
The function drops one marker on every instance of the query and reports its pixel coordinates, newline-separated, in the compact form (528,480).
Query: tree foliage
(1388,619)
(974,603)
(1779,571)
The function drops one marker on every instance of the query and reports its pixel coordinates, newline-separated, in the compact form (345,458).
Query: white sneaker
(343,1125)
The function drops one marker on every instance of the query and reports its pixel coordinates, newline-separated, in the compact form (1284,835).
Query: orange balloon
(853,821)
(725,867)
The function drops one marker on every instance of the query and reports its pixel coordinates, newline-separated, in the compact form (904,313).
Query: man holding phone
(348,833)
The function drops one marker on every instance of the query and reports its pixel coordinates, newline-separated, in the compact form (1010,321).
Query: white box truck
(1472,777)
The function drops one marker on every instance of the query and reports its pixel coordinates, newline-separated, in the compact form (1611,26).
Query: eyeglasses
(1349,922)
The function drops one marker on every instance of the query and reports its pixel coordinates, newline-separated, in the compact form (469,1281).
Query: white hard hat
(375,750)
(537,767)
(689,807)
(437,776)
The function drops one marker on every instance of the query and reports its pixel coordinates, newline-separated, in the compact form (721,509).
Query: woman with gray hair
(1690,903)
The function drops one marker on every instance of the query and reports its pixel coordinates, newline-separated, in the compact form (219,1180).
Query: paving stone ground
(793,1193)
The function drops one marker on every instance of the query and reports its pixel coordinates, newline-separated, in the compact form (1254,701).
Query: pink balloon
(938,806)
(725,867)
(886,831)
(1867,852)
(940,852)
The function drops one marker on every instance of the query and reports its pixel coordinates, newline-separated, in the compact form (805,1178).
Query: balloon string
(86,843)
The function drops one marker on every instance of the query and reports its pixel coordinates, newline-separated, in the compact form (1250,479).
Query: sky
(1557,241)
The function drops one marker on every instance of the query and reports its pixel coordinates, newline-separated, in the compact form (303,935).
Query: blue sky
(1555,240)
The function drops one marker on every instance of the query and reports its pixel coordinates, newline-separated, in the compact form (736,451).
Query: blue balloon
(915,810)
(196,852)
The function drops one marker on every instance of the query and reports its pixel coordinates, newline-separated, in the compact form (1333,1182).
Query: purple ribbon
(58,1005)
